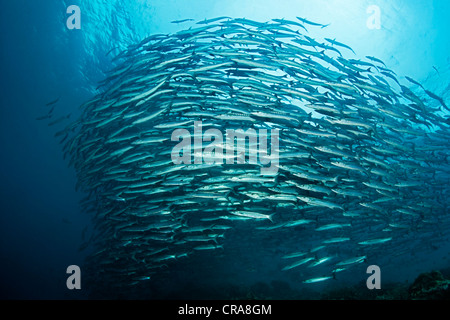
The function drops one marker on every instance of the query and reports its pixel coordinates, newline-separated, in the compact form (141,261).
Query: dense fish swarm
(362,158)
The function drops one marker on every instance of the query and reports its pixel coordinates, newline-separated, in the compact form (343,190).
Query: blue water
(41,220)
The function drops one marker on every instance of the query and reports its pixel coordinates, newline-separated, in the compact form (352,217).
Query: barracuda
(298,263)
(319,279)
(253,215)
(361,161)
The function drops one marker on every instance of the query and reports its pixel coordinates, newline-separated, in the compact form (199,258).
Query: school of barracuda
(363,158)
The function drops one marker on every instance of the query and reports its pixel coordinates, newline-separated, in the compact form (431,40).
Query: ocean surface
(45,65)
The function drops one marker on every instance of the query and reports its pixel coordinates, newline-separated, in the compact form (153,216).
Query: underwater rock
(430,286)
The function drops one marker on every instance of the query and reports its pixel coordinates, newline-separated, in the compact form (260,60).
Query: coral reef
(430,286)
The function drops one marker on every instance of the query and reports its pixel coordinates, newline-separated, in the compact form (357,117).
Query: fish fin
(228,195)
(184,224)
(436,70)
(276,180)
